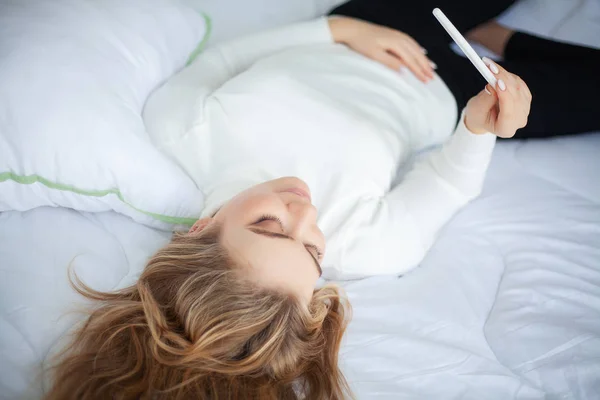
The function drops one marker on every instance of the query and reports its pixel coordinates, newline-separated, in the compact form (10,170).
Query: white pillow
(75,76)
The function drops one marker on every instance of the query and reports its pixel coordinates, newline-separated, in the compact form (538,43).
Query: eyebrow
(276,235)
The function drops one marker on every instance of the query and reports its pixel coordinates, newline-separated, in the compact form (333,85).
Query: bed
(506,305)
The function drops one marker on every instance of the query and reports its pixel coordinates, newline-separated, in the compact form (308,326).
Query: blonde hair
(193,328)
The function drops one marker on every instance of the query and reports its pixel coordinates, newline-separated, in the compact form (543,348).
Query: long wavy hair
(193,327)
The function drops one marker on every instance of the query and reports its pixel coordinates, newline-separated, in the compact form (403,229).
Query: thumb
(482,111)
(487,98)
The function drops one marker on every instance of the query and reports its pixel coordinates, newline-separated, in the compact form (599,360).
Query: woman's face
(271,229)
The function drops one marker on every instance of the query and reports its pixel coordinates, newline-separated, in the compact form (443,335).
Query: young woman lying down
(273,127)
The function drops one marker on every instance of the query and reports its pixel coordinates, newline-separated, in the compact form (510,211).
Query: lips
(299,192)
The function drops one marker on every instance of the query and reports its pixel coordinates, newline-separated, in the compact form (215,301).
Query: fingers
(410,61)
(424,62)
(514,101)
(389,60)
(489,89)
(406,48)
(508,121)
(488,95)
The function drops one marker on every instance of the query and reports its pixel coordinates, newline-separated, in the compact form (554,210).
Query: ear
(200,225)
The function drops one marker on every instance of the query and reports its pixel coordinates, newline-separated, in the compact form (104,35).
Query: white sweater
(290,102)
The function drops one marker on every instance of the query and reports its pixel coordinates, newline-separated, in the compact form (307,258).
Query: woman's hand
(388,46)
(500,110)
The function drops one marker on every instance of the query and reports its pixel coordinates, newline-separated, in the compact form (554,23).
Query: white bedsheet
(505,306)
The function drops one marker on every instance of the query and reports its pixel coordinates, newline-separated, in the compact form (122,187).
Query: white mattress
(505,306)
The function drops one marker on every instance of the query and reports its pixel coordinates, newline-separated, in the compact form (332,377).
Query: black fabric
(563,78)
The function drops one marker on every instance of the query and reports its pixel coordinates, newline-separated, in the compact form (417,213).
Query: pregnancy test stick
(465,47)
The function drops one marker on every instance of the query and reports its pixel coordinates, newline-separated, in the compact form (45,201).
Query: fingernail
(424,50)
(433,65)
(491,65)
(487,91)
(501,85)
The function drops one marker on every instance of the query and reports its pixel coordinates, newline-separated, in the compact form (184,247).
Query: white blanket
(505,306)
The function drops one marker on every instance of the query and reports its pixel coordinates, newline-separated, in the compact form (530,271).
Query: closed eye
(273,218)
(312,249)
(317,252)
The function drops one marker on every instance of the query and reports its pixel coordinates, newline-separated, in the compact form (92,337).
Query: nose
(304,218)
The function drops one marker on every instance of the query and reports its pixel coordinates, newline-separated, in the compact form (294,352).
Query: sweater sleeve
(395,232)
(181,102)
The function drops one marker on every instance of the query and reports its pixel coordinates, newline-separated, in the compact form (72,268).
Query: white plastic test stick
(465,47)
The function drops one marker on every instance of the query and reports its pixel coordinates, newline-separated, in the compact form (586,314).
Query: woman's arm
(392,235)
(180,103)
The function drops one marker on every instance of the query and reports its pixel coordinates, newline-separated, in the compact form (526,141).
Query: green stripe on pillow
(203,42)
(31,179)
